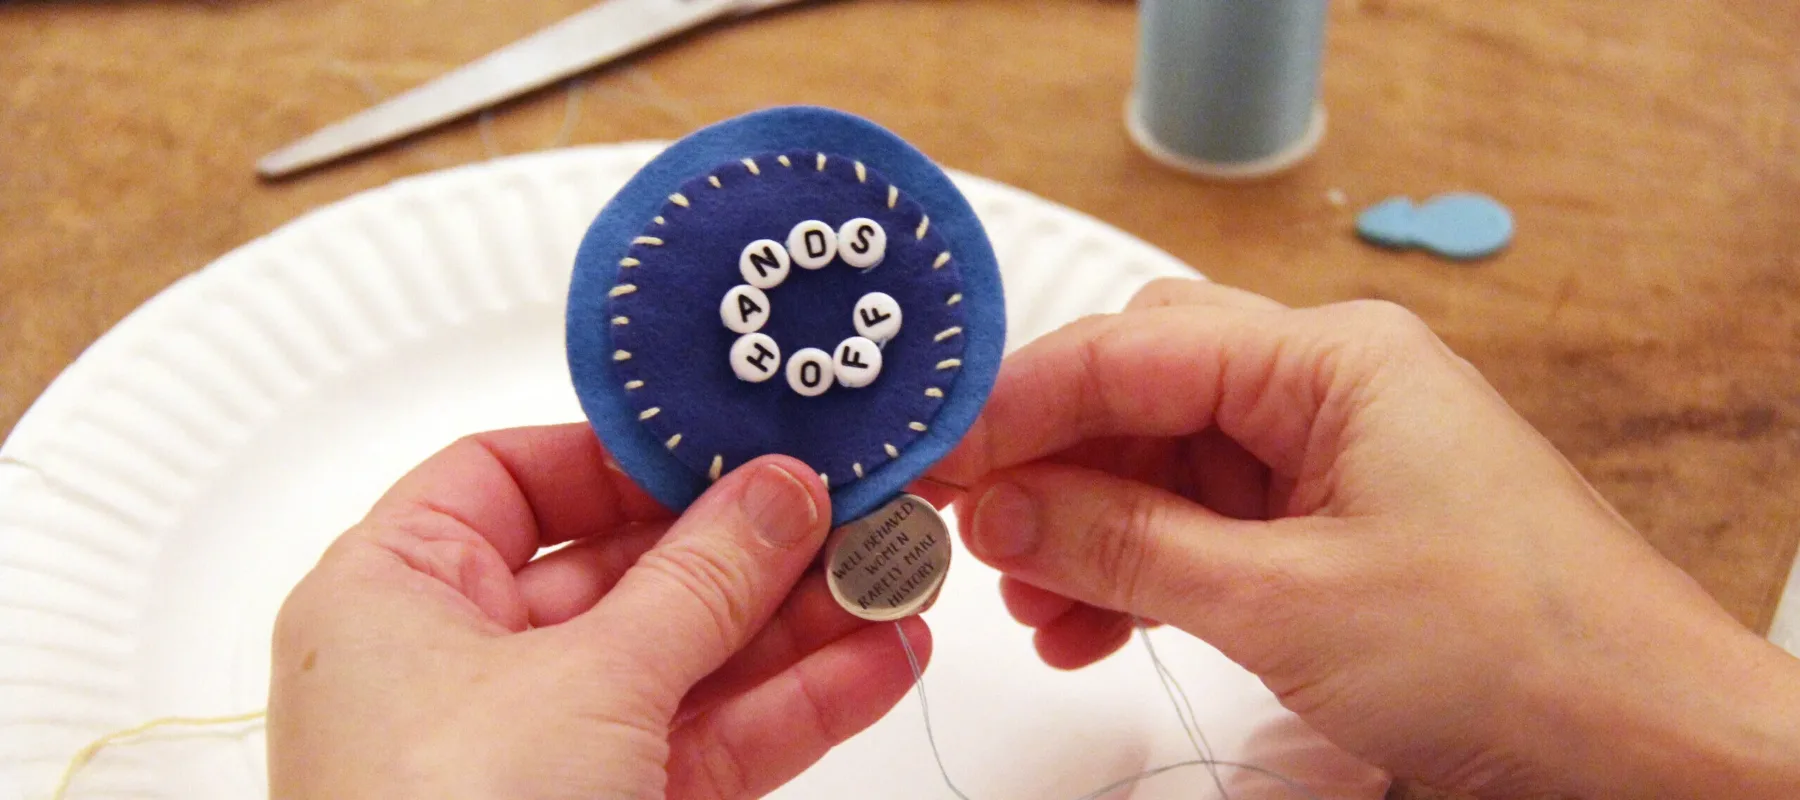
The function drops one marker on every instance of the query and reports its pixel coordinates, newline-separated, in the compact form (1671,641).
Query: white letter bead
(745,309)
(812,244)
(862,242)
(755,357)
(809,372)
(858,362)
(764,264)
(877,316)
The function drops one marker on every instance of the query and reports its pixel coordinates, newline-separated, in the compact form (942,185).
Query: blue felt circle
(679,377)
(674,335)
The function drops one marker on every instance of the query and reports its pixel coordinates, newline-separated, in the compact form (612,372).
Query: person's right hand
(1344,507)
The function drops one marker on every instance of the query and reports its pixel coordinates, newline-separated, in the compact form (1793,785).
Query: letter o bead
(809,372)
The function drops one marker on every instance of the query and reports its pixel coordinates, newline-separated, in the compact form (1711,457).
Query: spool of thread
(1229,88)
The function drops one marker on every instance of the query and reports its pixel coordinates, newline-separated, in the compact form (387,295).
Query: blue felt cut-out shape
(1458,225)
(1463,225)
(1388,223)
(678,347)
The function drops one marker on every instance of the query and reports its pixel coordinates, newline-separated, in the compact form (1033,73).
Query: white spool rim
(1278,162)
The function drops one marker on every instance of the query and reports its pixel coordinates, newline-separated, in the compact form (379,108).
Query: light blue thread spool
(1229,88)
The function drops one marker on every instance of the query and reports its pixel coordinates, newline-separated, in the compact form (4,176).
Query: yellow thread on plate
(949,363)
(632,386)
(673,440)
(924,225)
(917,426)
(893,195)
(621,320)
(892,451)
(862,173)
(714,180)
(649,412)
(821,162)
(679,199)
(93,748)
(621,355)
(750,163)
(629,262)
(934,392)
(946,333)
(622,289)
(942,259)
(954,299)
(718,466)
(857,468)
(648,240)
(657,220)
(784,161)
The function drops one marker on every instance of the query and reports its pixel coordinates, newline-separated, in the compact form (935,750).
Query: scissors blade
(581,42)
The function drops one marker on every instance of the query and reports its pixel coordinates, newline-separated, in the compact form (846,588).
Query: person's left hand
(429,655)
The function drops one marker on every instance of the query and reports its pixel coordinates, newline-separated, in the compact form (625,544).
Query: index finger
(1257,374)
(522,489)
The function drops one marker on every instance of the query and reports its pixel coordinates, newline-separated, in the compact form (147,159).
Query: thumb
(1121,545)
(717,576)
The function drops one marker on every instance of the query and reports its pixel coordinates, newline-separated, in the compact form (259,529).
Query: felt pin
(868,359)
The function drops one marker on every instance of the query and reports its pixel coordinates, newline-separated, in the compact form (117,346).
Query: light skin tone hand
(1344,507)
(1329,496)
(428,655)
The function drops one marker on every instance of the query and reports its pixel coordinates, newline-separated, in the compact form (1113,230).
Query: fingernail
(1006,524)
(779,507)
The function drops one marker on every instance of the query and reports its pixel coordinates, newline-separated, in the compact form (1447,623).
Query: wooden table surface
(1647,318)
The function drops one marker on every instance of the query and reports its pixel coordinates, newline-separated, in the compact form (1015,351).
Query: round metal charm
(891,563)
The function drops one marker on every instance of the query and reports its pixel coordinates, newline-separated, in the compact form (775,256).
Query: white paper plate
(159,500)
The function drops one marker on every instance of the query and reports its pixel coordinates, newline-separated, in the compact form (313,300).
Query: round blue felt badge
(796,281)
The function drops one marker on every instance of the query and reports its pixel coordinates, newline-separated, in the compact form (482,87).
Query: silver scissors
(608,31)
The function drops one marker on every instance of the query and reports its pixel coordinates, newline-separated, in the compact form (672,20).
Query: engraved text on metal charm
(891,563)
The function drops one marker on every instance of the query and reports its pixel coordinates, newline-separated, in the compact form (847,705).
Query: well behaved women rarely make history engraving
(890,563)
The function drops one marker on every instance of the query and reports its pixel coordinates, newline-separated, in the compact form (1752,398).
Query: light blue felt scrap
(1459,225)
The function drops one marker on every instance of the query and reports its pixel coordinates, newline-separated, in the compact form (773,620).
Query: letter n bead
(764,264)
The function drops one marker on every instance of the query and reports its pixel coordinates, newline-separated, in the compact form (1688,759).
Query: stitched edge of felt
(919,395)
(636,449)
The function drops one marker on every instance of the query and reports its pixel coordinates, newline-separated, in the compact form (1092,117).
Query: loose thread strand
(1196,737)
(1178,698)
(1184,710)
(912,660)
(93,748)
(484,122)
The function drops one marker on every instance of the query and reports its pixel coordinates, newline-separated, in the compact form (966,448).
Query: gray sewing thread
(1211,764)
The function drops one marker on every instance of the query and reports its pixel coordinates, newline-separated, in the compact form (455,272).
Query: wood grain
(1648,318)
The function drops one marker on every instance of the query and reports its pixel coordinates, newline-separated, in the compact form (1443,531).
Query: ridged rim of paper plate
(97,472)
